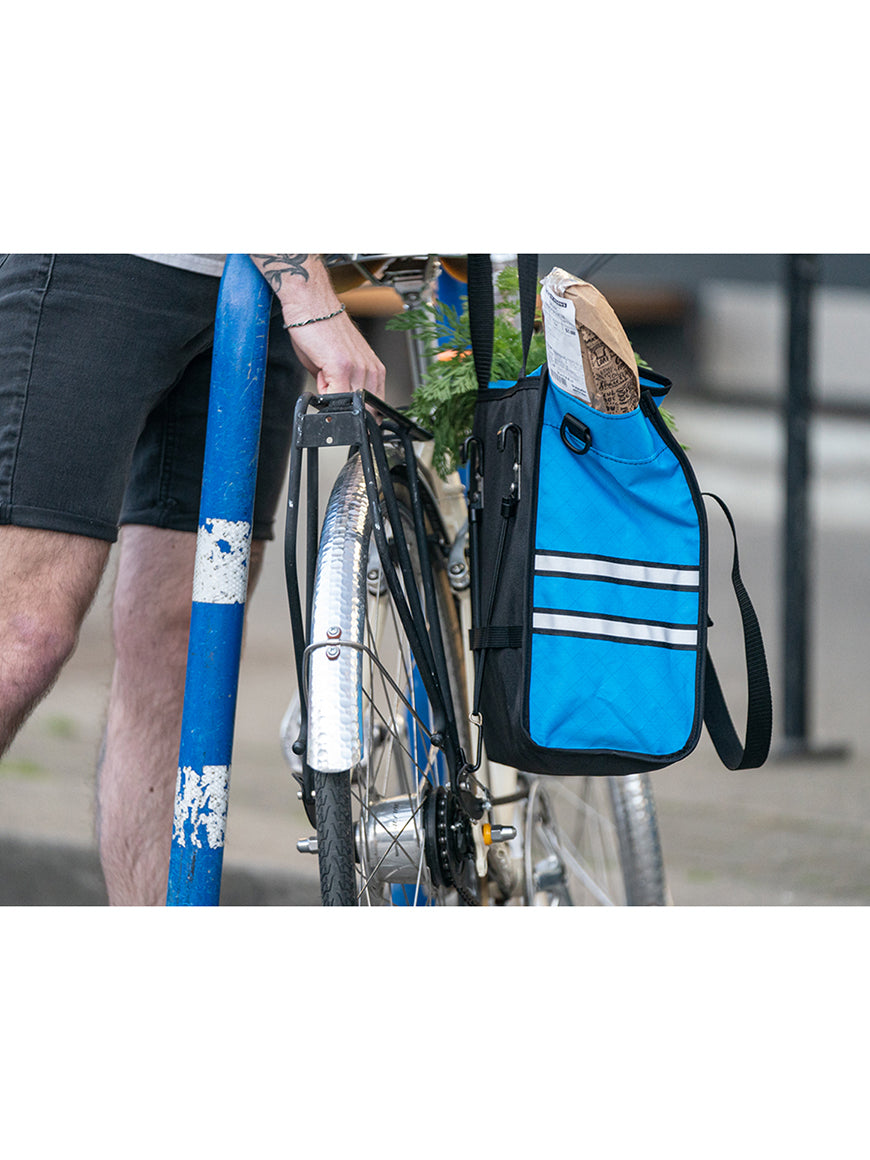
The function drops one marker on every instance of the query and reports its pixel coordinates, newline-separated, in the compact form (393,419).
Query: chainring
(450,849)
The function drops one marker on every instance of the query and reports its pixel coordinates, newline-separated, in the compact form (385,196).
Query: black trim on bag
(661,384)
(496,394)
(531,532)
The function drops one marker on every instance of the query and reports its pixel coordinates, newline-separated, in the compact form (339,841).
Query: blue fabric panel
(613,695)
(636,508)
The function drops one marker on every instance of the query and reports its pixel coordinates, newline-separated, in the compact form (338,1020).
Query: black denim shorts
(105,367)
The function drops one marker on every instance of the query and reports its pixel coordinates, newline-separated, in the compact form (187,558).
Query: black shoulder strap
(759,715)
(527,267)
(481,314)
(481,309)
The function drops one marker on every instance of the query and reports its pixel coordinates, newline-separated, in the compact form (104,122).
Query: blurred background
(769,359)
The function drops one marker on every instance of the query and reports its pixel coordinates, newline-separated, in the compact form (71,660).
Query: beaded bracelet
(308,321)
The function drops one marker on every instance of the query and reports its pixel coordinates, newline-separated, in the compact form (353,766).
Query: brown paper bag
(609,365)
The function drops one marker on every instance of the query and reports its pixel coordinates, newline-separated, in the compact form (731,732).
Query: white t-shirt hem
(197,263)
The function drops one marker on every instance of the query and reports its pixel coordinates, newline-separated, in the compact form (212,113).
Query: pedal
(493,833)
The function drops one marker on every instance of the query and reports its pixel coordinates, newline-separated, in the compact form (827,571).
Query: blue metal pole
(220,584)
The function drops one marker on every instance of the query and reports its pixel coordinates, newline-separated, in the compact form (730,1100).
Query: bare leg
(139,763)
(48,580)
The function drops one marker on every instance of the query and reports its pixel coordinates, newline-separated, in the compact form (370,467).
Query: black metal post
(801,273)
(801,277)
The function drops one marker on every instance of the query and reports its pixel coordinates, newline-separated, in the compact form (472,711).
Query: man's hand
(333,350)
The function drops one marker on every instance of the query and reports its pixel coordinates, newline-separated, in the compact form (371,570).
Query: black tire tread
(332,801)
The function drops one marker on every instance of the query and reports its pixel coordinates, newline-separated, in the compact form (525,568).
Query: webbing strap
(481,315)
(482,651)
(481,310)
(496,636)
(753,752)
(527,267)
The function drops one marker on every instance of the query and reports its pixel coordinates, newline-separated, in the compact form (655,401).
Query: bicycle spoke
(395,743)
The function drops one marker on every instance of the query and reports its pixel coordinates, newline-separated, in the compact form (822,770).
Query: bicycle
(407,810)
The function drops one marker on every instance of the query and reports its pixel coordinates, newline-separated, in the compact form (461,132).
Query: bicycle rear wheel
(590,841)
(381,821)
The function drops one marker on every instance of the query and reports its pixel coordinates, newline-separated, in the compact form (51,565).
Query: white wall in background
(742,336)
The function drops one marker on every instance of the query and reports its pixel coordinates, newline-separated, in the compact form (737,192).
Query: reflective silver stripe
(595,626)
(661,574)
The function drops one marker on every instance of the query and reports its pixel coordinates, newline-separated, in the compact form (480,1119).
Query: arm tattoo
(277,265)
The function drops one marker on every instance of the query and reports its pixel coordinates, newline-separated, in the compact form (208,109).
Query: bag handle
(481,310)
(753,751)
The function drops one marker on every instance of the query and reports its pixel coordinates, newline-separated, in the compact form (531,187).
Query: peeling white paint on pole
(221,571)
(201,801)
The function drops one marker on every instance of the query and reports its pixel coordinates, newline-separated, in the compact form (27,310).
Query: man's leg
(48,580)
(139,763)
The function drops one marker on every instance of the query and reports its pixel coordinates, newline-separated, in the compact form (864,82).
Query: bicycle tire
(640,844)
(371,817)
(332,799)
(591,841)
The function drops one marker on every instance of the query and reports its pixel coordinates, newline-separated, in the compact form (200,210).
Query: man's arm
(332,349)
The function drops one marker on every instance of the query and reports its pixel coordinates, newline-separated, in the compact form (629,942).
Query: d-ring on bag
(589,558)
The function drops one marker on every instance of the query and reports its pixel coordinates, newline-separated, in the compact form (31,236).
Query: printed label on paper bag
(564,356)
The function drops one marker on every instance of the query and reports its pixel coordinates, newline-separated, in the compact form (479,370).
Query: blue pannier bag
(588,541)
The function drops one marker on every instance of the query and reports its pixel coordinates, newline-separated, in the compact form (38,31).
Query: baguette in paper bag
(588,353)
